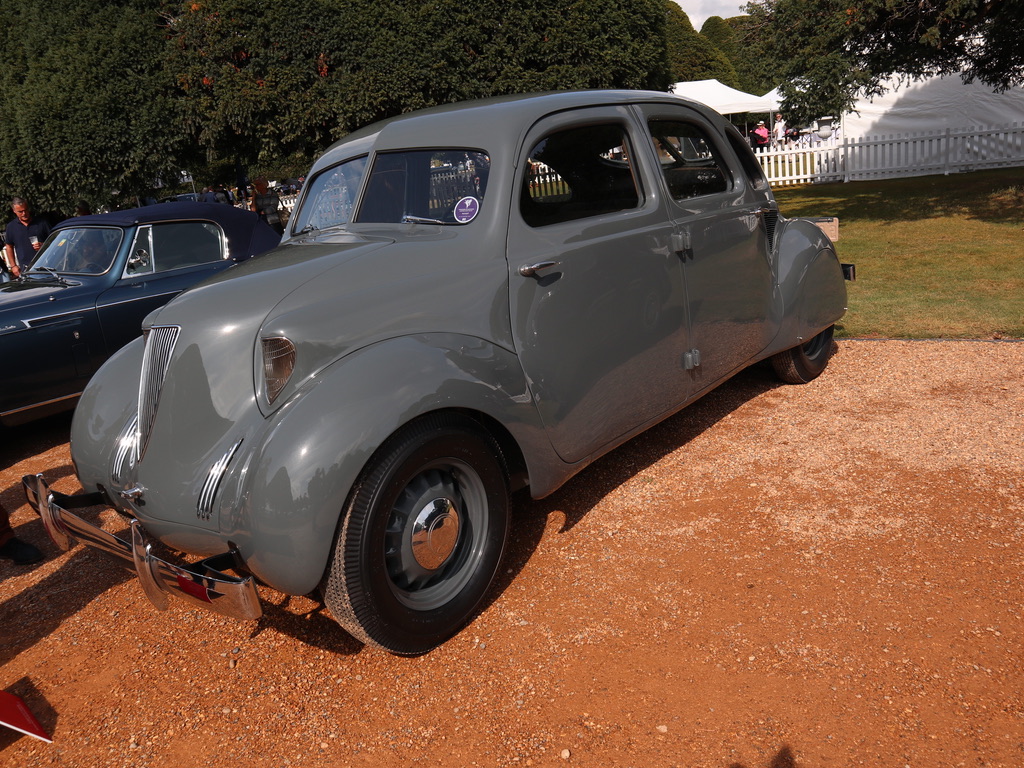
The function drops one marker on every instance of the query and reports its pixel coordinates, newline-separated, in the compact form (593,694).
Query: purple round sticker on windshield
(466,209)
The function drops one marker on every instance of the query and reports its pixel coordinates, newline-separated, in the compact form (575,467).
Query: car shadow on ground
(583,492)
(308,620)
(305,619)
(784,758)
(37,610)
(27,440)
(32,614)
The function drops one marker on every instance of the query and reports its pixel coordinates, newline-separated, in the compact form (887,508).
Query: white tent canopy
(773,97)
(932,104)
(723,99)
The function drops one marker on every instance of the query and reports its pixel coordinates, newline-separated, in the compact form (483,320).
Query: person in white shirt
(779,131)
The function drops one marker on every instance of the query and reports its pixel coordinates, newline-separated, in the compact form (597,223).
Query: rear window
(751,168)
(689,159)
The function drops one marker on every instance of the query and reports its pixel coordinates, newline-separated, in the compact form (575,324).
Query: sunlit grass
(936,256)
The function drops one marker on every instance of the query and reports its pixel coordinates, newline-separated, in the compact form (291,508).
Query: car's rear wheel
(804,363)
(422,536)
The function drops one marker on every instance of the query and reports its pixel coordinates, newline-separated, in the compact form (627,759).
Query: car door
(597,300)
(721,232)
(49,345)
(164,259)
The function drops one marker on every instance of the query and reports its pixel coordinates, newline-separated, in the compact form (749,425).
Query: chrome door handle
(531,270)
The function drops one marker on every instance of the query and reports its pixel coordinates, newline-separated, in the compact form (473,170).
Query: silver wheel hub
(435,532)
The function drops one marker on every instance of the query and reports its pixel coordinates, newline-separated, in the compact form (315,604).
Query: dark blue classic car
(92,283)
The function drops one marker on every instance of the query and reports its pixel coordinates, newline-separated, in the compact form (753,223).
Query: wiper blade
(49,271)
(410,219)
(307,229)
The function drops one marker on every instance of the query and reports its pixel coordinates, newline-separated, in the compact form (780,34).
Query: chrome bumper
(202,584)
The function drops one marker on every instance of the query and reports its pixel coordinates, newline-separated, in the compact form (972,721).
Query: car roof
(246,233)
(496,122)
(171,211)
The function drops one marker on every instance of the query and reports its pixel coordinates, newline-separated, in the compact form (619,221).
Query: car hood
(25,301)
(330,297)
(220,319)
(206,398)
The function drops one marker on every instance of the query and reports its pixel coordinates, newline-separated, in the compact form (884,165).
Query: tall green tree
(495,48)
(87,111)
(253,78)
(97,101)
(727,36)
(691,55)
(261,80)
(827,52)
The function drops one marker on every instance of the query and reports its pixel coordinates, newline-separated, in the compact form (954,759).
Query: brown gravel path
(826,575)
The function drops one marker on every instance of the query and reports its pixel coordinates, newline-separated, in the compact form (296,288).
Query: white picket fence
(952,150)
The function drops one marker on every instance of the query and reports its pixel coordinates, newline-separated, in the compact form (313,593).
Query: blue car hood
(23,301)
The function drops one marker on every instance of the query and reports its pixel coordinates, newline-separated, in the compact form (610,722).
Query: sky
(700,10)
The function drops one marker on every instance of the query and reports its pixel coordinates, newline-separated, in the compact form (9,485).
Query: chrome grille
(204,507)
(770,219)
(160,341)
(124,456)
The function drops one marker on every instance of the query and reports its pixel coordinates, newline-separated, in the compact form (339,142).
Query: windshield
(425,186)
(80,250)
(330,196)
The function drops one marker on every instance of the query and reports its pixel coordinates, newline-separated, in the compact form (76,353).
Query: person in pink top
(761,135)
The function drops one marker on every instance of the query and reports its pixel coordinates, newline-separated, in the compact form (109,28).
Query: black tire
(422,535)
(804,363)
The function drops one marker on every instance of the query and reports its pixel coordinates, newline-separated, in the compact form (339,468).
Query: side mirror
(138,260)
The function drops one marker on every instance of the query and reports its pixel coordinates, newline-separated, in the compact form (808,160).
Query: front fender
(107,404)
(811,283)
(289,492)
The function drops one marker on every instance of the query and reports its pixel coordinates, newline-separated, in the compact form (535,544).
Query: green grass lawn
(936,256)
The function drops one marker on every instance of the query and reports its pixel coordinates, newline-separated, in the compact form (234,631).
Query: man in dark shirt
(24,235)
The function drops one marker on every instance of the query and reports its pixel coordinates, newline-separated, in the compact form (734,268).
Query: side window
(185,244)
(751,168)
(689,159)
(437,186)
(140,259)
(576,173)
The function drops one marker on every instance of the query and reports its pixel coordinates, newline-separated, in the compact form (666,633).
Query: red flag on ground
(14,713)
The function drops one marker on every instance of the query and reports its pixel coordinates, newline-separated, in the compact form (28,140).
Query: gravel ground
(824,575)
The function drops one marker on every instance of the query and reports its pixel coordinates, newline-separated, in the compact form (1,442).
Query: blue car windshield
(79,251)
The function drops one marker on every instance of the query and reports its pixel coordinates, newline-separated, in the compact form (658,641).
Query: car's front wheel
(421,537)
(801,364)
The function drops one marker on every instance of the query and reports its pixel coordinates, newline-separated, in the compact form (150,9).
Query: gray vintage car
(470,300)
